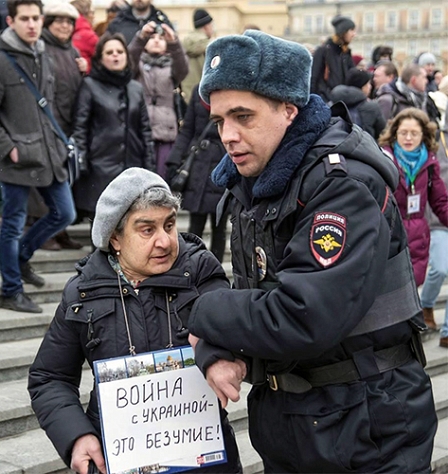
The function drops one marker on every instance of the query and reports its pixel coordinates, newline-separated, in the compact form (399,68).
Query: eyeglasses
(405,133)
(61,20)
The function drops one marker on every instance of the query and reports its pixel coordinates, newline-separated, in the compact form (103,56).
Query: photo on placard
(141,364)
(188,356)
(112,369)
(153,469)
(168,360)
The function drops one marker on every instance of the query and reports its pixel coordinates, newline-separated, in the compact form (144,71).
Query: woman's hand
(225,378)
(170,35)
(87,448)
(82,64)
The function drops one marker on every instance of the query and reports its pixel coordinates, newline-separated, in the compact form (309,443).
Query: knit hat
(426,58)
(61,9)
(260,63)
(358,78)
(201,18)
(342,24)
(117,198)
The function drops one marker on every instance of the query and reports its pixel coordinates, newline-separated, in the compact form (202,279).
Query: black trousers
(385,425)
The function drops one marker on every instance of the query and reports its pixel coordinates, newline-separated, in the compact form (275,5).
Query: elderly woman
(410,140)
(160,273)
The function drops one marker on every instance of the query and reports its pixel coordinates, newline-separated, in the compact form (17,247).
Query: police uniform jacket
(311,242)
(89,325)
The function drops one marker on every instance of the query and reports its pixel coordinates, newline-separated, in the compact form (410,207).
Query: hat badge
(215,62)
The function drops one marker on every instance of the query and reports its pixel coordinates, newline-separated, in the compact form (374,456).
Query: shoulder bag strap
(41,100)
(196,147)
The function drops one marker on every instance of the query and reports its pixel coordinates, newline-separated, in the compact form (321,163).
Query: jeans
(438,263)
(15,248)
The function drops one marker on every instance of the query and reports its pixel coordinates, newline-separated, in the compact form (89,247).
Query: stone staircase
(24,447)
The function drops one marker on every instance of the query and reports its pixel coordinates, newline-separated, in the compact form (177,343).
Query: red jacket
(84,39)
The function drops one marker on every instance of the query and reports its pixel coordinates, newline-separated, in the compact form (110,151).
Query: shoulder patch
(327,237)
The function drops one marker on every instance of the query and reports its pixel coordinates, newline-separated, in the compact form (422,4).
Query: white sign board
(157,414)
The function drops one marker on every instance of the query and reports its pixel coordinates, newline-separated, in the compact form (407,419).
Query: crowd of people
(333,181)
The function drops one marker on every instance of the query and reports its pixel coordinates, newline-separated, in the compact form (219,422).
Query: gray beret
(260,63)
(117,198)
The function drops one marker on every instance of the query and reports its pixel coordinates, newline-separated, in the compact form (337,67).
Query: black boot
(28,275)
(20,302)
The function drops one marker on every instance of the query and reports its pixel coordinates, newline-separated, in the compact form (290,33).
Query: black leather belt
(342,372)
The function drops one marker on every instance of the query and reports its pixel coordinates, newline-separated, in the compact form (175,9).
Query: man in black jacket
(131,19)
(325,318)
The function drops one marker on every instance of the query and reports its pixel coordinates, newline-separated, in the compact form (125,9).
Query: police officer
(325,319)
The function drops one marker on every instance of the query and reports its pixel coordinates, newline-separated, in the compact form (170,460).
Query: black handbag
(180,105)
(180,179)
(75,160)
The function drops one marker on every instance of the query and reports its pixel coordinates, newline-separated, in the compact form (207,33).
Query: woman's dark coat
(67,79)
(56,372)
(201,195)
(112,131)
(331,63)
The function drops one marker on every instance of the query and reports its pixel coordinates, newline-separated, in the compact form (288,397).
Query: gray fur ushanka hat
(260,63)
(117,198)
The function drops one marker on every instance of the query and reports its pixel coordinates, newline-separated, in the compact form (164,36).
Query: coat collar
(300,135)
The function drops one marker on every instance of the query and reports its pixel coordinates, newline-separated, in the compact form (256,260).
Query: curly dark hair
(429,129)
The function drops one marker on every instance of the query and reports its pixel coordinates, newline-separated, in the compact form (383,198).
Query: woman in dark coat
(201,196)
(132,295)
(69,67)
(111,122)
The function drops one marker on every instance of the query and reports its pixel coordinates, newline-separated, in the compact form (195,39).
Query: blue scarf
(300,135)
(411,162)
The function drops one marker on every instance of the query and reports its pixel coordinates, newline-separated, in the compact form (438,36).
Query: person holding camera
(159,64)
(132,18)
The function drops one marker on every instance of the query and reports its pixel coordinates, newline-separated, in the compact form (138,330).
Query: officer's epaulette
(335,164)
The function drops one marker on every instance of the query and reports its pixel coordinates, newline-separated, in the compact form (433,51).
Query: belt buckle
(273,383)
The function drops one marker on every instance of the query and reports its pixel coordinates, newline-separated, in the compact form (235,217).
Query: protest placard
(158,413)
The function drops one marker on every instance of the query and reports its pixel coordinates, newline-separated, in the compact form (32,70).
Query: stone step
(16,457)
(439,462)
(33,453)
(55,282)
(47,261)
(16,415)
(15,326)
